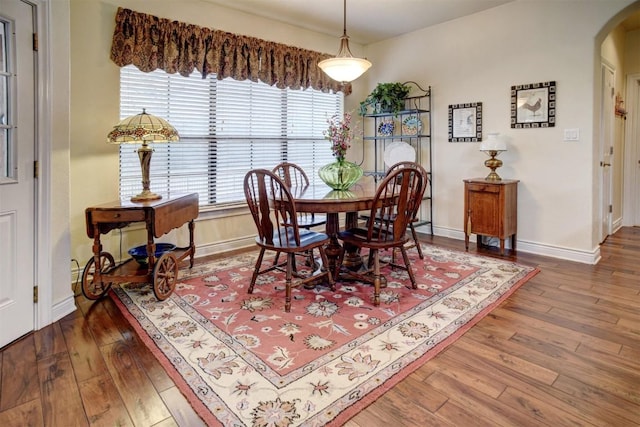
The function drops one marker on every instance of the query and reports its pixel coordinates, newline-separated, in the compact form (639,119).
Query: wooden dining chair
(294,176)
(414,235)
(414,242)
(395,205)
(274,213)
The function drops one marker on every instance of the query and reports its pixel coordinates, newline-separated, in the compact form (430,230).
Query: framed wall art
(533,105)
(465,122)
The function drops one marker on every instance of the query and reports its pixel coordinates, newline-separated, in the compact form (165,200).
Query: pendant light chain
(344,19)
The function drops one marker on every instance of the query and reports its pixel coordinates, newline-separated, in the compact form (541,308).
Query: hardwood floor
(562,350)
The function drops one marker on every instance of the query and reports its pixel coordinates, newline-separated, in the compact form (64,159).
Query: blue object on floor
(139,253)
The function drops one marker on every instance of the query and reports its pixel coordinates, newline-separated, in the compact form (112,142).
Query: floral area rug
(241,360)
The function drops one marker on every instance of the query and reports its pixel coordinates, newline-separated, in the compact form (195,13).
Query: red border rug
(241,360)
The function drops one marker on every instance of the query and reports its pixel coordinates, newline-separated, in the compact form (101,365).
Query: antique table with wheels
(160,217)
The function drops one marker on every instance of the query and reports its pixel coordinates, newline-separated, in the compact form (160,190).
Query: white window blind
(226,128)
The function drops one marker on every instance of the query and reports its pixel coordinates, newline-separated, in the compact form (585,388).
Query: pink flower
(340,134)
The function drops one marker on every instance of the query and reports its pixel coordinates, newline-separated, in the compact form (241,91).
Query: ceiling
(368,21)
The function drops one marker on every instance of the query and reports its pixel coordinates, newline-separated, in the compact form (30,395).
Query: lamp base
(493,164)
(493,176)
(146,196)
(144,153)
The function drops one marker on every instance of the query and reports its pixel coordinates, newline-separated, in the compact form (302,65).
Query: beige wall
(95,109)
(632,53)
(476,58)
(631,199)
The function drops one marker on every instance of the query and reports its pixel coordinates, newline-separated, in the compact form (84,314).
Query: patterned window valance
(151,43)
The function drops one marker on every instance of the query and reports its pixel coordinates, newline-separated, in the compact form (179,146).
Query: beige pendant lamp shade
(344,67)
(143,129)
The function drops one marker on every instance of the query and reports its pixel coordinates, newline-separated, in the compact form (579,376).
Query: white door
(17,156)
(606,150)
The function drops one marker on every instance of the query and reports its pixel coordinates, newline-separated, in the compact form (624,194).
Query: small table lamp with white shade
(493,146)
(143,129)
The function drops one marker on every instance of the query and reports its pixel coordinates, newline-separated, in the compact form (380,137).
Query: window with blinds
(226,128)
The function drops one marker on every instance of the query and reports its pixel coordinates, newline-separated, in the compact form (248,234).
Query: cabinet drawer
(107,216)
(483,188)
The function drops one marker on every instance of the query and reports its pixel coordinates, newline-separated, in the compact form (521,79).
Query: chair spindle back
(396,203)
(272,207)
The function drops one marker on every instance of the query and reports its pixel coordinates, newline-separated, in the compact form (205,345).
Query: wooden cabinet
(490,209)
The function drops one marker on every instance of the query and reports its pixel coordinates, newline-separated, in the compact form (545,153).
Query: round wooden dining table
(319,198)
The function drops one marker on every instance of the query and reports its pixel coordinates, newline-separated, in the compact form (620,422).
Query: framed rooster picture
(533,105)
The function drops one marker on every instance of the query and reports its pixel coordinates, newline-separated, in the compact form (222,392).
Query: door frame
(43,251)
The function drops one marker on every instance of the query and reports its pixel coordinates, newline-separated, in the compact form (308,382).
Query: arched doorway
(614,151)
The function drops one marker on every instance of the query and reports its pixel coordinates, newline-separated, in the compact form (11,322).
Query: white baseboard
(584,257)
(522,246)
(63,308)
(617,225)
(225,246)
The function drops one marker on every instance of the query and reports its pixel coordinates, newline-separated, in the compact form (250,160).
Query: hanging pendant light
(344,67)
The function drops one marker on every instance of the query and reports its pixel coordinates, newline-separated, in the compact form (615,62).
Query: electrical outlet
(572,134)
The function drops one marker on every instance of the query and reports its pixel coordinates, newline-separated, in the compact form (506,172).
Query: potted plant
(386,98)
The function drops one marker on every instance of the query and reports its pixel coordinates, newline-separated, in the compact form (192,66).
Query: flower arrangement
(340,134)
(341,174)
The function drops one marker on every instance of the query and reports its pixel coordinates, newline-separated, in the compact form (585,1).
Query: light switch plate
(572,134)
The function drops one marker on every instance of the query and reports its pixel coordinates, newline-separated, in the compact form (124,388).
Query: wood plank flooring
(563,350)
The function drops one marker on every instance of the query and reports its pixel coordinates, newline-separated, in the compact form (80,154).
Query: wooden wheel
(90,288)
(165,276)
